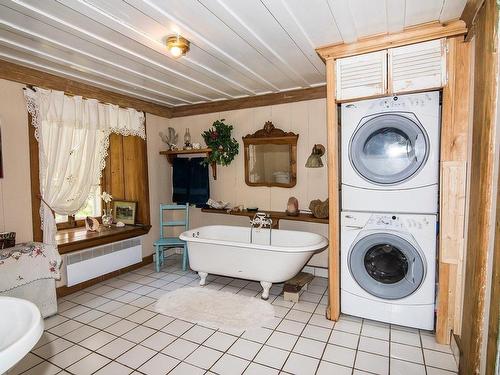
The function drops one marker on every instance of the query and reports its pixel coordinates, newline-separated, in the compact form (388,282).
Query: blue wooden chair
(164,242)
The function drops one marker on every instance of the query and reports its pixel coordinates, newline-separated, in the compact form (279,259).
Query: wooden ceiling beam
(250,102)
(470,11)
(410,35)
(29,76)
(469,14)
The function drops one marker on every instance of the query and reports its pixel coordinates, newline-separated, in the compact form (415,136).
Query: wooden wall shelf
(276,216)
(171,155)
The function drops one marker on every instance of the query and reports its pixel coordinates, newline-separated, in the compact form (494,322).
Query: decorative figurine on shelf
(107,217)
(170,139)
(187,140)
(292,208)
(224,147)
(196,146)
(319,209)
(92,225)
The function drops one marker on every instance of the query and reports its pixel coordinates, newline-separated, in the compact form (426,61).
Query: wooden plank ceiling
(239,48)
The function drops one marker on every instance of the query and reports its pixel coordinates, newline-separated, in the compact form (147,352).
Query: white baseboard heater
(90,263)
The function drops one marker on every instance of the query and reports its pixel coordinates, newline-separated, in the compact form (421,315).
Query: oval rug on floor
(215,309)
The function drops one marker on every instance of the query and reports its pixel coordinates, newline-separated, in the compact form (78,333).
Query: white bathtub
(226,250)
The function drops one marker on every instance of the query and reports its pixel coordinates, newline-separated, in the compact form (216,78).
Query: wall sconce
(314,160)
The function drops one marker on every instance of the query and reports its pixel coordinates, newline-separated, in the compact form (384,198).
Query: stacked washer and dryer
(390,181)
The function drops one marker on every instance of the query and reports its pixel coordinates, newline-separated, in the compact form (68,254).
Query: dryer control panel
(405,101)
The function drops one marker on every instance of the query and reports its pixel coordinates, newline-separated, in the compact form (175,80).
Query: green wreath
(224,147)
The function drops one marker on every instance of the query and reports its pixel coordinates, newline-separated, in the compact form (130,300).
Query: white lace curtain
(73,140)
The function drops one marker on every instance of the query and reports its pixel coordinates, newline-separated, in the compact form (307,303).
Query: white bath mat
(215,309)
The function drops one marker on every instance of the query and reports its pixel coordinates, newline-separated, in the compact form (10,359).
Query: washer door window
(389,149)
(386,266)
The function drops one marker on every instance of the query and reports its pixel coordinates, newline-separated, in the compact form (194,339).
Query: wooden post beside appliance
(453,187)
(333,310)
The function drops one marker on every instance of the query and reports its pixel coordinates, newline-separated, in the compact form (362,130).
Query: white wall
(15,188)
(159,176)
(308,119)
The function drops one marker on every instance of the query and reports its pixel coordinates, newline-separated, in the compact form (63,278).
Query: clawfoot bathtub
(226,250)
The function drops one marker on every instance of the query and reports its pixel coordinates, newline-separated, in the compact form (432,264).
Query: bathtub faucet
(260,220)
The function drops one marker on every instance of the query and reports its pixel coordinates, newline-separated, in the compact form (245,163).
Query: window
(92,209)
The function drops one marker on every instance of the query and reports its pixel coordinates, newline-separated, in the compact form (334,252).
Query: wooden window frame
(72,222)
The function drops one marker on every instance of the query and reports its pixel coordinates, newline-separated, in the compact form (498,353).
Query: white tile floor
(112,329)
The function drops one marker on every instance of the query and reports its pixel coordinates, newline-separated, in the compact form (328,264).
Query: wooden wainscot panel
(453,187)
(135,168)
(126,174)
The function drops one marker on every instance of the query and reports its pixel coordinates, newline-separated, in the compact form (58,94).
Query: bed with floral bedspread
(28,262)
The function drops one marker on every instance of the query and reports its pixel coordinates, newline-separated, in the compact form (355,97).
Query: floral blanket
(27,262)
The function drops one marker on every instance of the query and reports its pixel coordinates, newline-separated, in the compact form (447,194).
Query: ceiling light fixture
(177,45)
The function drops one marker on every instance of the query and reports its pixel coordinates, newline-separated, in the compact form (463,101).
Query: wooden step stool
(293,287)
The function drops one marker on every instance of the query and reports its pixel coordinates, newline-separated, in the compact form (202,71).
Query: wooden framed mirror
(271,157)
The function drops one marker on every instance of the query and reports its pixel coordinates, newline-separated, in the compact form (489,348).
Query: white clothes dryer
(388,265)
(390,154)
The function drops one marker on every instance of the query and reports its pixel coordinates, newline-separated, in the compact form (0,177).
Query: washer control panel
(385,221)
(351,220)
(397,222)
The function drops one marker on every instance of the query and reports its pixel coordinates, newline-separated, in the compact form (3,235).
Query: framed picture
(124,211)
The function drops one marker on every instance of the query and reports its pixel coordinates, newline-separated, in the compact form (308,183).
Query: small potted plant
(107,217)
(224,146)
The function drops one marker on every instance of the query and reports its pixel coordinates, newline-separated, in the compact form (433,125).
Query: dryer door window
(389,149)
(386,266)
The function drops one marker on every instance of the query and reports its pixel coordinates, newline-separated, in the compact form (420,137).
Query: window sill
(74,239)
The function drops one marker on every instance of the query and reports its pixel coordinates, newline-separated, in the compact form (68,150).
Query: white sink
(21,326)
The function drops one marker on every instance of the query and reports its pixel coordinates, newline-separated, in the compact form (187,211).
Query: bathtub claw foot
(266,286)
(203,278)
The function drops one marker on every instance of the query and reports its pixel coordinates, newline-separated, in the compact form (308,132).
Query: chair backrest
(164,208)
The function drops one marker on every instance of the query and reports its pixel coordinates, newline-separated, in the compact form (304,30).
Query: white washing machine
(390,154)
(388,267)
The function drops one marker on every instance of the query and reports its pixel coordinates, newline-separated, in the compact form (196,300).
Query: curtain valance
(76,112)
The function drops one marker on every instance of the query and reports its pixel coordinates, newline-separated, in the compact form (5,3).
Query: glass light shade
(177,45)
(176,51)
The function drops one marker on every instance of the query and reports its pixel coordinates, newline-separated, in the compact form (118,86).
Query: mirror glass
(271,157)
(269,164)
